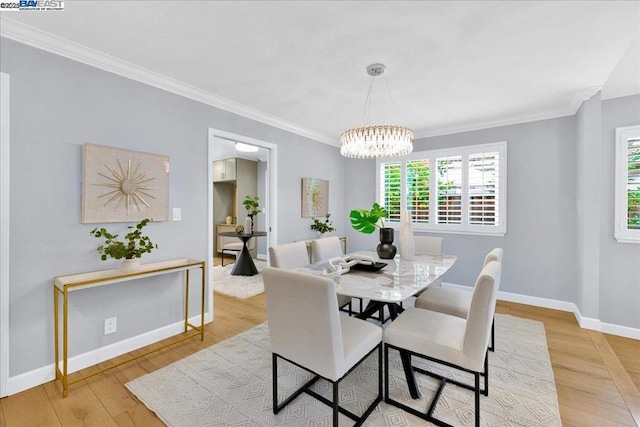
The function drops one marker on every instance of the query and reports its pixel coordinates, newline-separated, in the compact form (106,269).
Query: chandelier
(373,141)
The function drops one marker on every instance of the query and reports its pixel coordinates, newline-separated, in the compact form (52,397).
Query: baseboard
(584,322)
(39,376)
(622,331)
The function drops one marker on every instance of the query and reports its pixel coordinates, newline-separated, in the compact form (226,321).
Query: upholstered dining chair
(327,248)
(454,301)
(289,255)
(292,255)
(448,340)
(306,329)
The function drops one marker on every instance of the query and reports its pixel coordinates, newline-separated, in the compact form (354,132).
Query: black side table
(244,264)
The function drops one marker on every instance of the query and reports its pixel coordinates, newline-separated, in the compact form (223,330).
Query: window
(459,190)
(627,192)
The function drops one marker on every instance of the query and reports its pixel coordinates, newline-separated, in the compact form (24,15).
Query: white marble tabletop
(394,283)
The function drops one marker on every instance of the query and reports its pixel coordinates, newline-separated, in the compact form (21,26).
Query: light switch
(177,214)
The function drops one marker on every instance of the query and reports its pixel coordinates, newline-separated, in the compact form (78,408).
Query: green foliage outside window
(633,194)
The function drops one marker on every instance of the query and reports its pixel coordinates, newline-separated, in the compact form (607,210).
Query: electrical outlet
(110,325)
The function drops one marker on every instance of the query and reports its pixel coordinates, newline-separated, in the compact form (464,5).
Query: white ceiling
(451,66)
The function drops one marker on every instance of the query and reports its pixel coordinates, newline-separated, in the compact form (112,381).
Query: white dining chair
(448,340)
(455,302)
(306,329)
(325,249)
(289,255)
(292,255)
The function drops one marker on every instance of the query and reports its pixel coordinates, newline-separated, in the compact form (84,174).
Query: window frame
(465,151)
(622,233)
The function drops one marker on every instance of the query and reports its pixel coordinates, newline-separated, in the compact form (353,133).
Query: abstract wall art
(315,197)
(121,185)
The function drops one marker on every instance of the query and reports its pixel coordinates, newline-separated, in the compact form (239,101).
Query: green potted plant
(135,244)
(322,227)
(251,204)
(366,221)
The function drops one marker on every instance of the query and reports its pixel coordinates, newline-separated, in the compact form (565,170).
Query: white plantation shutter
(483,185)
(449,190)
(390,189)
(627,208)
(418,190)
(633,184)
(452,190)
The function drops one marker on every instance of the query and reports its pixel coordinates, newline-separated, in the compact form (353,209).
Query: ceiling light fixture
(373,141)
(246,148)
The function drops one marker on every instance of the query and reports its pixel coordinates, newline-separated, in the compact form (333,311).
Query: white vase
(130,264)
(247,225)
(407,242)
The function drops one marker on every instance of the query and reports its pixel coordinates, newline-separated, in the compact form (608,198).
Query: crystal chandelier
(373,141)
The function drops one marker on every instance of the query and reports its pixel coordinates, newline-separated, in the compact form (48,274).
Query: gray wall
(549,222)
(57,105)
(539,243)
(588,177)
(619,262)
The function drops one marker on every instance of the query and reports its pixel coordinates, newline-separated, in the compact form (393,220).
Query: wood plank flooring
(597,376)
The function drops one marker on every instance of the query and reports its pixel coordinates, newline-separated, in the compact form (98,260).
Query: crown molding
(42,40)
(574,103)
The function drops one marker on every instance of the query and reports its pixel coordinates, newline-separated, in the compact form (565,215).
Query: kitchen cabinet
(224,170)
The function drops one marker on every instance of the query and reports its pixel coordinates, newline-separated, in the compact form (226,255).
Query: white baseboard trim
(583,322)
(39,376)
(622,331)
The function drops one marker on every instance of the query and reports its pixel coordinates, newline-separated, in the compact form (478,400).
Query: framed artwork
(122,185)
(315,197)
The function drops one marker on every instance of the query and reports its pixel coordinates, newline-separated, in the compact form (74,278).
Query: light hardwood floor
(597,376)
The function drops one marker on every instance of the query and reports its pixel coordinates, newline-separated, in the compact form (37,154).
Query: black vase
(386,249)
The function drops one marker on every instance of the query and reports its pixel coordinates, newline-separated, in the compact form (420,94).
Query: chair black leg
(493,335)
(477,393)
(386,373)
(274,382)
(486,374)
(336,405)
(222,257)
(380,372)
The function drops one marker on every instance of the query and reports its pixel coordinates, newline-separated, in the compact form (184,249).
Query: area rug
(238,286)
(229,384)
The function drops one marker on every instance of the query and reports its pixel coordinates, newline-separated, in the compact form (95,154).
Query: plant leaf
(362,220)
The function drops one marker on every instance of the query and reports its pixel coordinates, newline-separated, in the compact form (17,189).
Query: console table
(64,285)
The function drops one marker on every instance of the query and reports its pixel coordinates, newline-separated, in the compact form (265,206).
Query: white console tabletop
(64,285)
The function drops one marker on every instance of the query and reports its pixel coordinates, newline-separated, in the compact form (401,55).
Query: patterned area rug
(229,384)
(238,286)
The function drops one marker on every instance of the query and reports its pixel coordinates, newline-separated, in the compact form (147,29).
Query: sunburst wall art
(122,185)
(315,197)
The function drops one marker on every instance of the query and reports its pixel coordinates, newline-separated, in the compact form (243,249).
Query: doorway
(221,145)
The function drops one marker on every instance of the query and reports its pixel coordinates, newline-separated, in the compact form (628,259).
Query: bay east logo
(31,5)
(41,4)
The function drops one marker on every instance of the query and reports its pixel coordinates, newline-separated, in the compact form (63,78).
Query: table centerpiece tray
(375,266)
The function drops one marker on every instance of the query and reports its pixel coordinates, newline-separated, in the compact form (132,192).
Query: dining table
(387,286)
